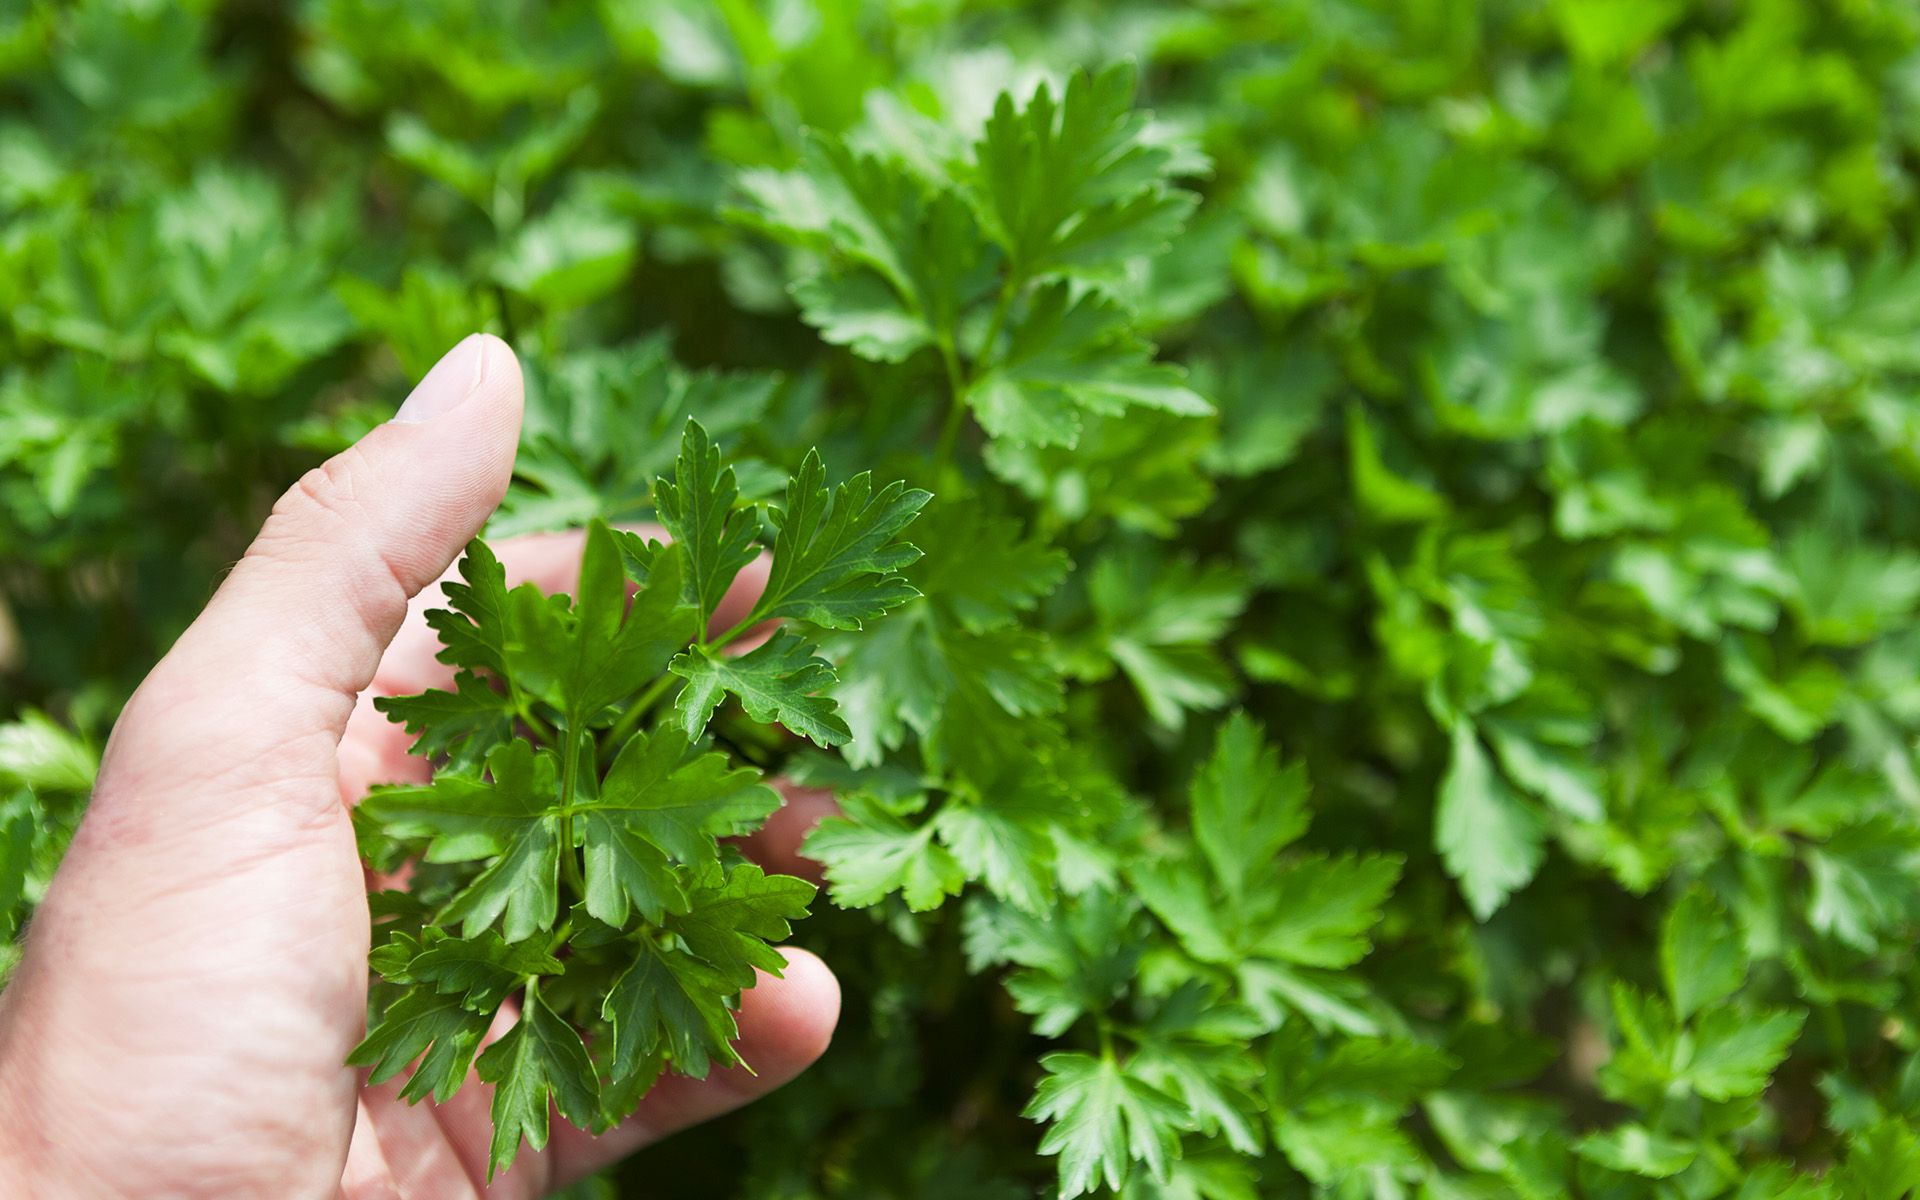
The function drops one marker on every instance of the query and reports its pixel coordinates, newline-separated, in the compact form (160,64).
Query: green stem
(959,382)
(956,403)
(630,719)
(570,862)
(1002,308)
(569,780)
(540,728)
(950,432)
(727,638)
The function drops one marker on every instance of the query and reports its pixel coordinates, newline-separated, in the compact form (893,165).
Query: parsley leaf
(1068,357)
(836,562)
(777,681)
(509,814)
(869,852)
(1102,1118)
(1489,837)
(1065,183)
(538,1064)
(699,508)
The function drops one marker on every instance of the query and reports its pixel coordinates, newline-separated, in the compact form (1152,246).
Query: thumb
(261,685)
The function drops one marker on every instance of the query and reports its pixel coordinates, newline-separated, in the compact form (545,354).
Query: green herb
(1411,691)
(602,896)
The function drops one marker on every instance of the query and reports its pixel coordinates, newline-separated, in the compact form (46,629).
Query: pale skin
(198,972)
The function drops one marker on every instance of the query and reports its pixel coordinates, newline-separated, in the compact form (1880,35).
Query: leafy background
(1510,406)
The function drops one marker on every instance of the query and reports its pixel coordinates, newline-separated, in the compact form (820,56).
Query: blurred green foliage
(1514,406)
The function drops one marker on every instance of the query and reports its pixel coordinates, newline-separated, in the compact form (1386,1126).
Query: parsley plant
(1410,688)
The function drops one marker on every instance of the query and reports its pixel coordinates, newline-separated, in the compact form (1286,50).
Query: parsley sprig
(568,849)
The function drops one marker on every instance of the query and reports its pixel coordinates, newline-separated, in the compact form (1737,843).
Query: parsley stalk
(569,783)
(524,710)
(957,408)
(731,635)
(961,383)
(630,719)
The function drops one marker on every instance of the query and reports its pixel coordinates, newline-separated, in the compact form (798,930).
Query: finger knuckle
(325,499)
(328,508)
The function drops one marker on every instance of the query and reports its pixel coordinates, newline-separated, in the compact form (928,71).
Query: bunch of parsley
(567,847)
(1409,689)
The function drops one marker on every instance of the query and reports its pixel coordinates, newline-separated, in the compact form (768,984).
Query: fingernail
(451,381)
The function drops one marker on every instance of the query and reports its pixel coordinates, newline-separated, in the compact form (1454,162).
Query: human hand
(197,973)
